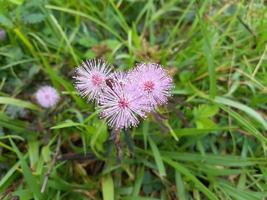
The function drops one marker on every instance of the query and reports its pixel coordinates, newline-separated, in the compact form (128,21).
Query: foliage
(209,142)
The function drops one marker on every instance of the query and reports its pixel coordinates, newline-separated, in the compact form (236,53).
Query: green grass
(212,143)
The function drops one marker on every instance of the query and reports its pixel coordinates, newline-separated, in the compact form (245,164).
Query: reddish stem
(117,144)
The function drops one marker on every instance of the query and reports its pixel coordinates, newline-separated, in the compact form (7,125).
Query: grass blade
(157,156)
(246,124)
(78,13)
(181,169)
(179,186)
(255,115)
(209,57)
(10,172)
(18,103)
(29,178)
(107,187)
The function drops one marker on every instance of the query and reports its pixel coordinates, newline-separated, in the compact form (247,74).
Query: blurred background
(209,142)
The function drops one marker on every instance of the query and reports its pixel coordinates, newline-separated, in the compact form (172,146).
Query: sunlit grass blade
(67,124)
(157,157)
(138,182)
(241,194)
(179,186)
(27,174)
(246,124)
(18,103)
(251,112)
(107,187)
(8,175)
(231,161)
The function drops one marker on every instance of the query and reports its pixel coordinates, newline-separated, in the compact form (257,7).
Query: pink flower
(153,81)
(122,105)
(47,96)
(119,77)
(90,78)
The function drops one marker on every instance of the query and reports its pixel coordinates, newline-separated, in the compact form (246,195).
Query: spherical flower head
(2,34)
(47,96)
(122,105)
(153,81)
(90,78)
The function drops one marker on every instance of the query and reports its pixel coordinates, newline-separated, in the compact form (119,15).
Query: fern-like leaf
(33,18)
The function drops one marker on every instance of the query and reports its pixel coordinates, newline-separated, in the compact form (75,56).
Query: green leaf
(89,54)
(205,111)
(205,123)
(139,198)
(166,123)
(23,194)
(200,131)
(97,140)
(246,124)
(223,160)
(12,136)
(208,52)
(67,124)
(157,156)
(107,187)
(46,153)
(13,124)
(19,103)
(33,18)
(89,17)
(64,36)
(18,2)
(241,194)
(252,113)
(184,171)
(33,149)
(8,174)
(4,21)
(29,178)
(179,186)
(138,181)
(181,169)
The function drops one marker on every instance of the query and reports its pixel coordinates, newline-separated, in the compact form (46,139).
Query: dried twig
(53,162)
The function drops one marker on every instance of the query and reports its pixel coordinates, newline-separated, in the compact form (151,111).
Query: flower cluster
(123,97)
